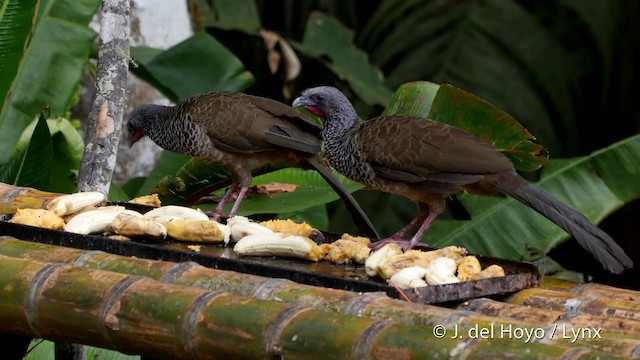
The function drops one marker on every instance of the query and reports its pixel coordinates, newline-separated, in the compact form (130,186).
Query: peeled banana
(240,226)
(441,271)
(411,277)
(278,244)
(96,221)
(196,230)
(468,267)
(171,212)
(345,251)
(38,217)
(490,272)
(72,203)
(373,262)
(138,226)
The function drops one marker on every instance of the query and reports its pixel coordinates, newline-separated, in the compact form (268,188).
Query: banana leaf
(51,67)
(328,40)
(32,166)
(16,20)
(198,64)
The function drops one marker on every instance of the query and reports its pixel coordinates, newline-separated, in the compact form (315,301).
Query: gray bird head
(328,103)
(141,120)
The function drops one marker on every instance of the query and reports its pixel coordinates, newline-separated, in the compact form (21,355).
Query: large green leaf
(326,37)
(453,106)
(67,152)
(233,14)
(517,55)
(16,21)
(50,70)
(312,191)
(168,163)
(195,178)
(196,65)
(31,166)
(595,185)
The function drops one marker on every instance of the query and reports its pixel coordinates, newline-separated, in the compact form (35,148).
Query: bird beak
(134,137)
(300,101)
(308,105)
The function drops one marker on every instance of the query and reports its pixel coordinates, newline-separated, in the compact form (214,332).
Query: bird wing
(246,124)
(418,150)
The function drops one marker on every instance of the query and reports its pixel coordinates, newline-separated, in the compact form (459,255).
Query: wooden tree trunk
(105,120)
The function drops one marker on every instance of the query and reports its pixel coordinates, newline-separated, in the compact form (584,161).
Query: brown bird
(426,161)
(241,132)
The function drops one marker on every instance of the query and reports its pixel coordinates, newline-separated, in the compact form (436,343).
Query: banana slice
(196,230)
(240,226)
(468,267)
(95,221)
(278,244)
(150,200)
(171,212)
(419,258)
(345,251)
(289,227)
(441,271)
(373,262)
(38,217)
(490,272)
(72,203)
(138,226)
(410,277)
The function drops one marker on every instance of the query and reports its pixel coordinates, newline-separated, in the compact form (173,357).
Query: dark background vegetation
(566,69)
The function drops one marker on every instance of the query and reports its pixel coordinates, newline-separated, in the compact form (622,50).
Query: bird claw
(404,244)
(214,215)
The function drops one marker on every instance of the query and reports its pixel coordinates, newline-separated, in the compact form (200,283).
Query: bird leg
(217,212)
(426,218)
(241,194)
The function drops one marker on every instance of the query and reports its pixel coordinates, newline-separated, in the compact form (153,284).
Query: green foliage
(16,17)
(31,166)
(51,68)
(546,63)
(44,350)
(233,14)
(47,157)
(196,65)
(326,38)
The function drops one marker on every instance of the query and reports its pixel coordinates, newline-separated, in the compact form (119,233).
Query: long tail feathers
(589,236)
(358,215)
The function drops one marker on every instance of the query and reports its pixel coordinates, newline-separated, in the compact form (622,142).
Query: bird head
(140,120)
(326,102)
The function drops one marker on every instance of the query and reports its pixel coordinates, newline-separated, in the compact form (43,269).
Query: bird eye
(318,98)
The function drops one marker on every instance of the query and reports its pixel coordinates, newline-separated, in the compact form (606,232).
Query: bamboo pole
(16,197)
(506,321)
(138,315)
(376,305)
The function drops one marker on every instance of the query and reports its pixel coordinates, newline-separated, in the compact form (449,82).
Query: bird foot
(215,214)
(404,244)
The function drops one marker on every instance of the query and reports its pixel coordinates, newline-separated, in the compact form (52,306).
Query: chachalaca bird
(426,161)
(241,132)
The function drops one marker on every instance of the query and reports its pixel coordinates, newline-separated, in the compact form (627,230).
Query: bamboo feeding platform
(162,309)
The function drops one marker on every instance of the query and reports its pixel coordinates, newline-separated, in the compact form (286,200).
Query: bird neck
(340,142)
(339,124)
(170,129)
